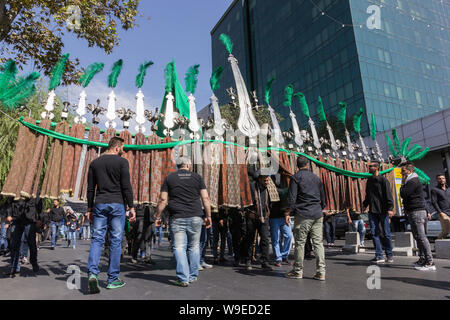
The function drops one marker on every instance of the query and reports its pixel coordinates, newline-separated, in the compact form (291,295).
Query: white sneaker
(204,265)
(200,268)
(426,267)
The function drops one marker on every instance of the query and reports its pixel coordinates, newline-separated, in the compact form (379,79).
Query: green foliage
(191,78)
(58,72)
(115,72)
(268,90)
(90,72)
(215,78)
(231,115)
(142,73)
(32,32)
(288,93)
(227,42)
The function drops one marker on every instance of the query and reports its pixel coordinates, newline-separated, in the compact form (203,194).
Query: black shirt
(277,209)
(441,199)
(184,188)
(378,195)
(57,214)
(306,195)
(109,181)
(412,195)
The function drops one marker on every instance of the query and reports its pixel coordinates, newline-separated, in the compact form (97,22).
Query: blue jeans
(330,229)
(86,232)
(379,223)
(3,237)
(110,217)
(185,233)
(358,226)
(23,253)
(281,248)
(72,236)
(203,243)
(54,227)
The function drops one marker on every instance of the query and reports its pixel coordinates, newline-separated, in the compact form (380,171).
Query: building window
(418,97)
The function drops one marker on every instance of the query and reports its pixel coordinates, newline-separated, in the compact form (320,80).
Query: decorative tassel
(8,75)
(142,72)
(58,72)
(268,90)
(342,112)
(321,111)
(423,178)
(405,146)
(90,72)
(303,104)
(169,77)
(419,155)
(373,130)
(215,78)
(227,42)
(357,121)
(414,149)
(115,72)
(396,140)
(191,78)
(391,146)
(288,92)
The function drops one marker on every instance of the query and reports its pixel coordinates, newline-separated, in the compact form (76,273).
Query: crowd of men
(113,222)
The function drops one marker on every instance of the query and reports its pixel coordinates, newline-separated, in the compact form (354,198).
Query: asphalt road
(347,279)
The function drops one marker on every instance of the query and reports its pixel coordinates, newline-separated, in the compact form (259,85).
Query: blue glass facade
(399,73)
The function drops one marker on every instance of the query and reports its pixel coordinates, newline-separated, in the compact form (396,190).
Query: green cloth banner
(64,137)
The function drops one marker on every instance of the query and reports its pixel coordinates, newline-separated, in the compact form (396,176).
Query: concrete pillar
(352,243)
(442,248)
(403,244)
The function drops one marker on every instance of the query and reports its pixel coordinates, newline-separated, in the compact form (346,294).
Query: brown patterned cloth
(91,155)
(169,164)
(361,167)
(212,155)
(229,190)
(391,178)
(197,158)
(327,186)
(350,187)
(141,174)
(50,186)
(342,184)
(106,136)
(293,161)
(71,160)
(128,139)
(244,183)
(21,160)
(33,170)
(155,170)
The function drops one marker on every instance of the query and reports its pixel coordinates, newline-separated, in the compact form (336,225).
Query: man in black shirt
(381,205)
(307,199)
(414,205)
(440,198)
(181,193)
(57,214)
(109,184)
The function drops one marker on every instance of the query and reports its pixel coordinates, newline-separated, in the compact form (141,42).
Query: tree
(32,30)
(262,115)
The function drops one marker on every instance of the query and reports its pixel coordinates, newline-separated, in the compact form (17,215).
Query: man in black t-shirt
(181,193)
(56,216)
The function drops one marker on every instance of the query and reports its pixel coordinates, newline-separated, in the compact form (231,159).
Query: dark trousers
(330,229)
(142,235)
(237,229)
(28,230)
(252,225)
(219,233)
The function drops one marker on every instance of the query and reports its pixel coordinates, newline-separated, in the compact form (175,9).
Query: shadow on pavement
(444,285)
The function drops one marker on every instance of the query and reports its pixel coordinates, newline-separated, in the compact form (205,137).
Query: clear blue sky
(177,29)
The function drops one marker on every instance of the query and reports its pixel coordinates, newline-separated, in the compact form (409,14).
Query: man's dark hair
(302,162)
(115,142)
(409,166)
(440,175)
(373,162)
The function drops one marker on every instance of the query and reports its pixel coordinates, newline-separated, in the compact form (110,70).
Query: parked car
(433,227)
(342,225)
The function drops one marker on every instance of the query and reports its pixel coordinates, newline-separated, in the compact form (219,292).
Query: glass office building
(399,72)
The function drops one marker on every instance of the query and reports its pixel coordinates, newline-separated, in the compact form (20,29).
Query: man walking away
(181,192)
(356,224)
(56,217)
(381,205)
(109,190)
(440,197)
(307,200)
(414,205)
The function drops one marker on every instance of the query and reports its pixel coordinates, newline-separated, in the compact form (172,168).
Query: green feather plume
(390,145)
(342,112)
(423,178)
(268,90)
(396,140)
(191,78)
(321,111)
(215,78)
(142,72)
(8,74)
(405,145)
(90,72)
(288,92)
(115,72)
(373,129)
(18,94)
(414,149)
(303,104)
(58,72)
(169,77)
(419,155)
(227,42)
(357,121)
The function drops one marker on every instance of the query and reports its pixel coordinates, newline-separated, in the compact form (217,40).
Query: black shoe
(216,261)
(35,268)
(248,266)
(236,263)
(377,260)
(149,261)
(53,248)
(265,266)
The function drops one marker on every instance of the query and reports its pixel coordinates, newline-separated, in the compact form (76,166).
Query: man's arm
(127,190)
(322,196)
(91,189)
(389,199)
(162,203)
(367,198)
(207,205)
(434,201)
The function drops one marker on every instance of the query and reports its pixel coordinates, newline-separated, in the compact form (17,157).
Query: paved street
(346,279)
